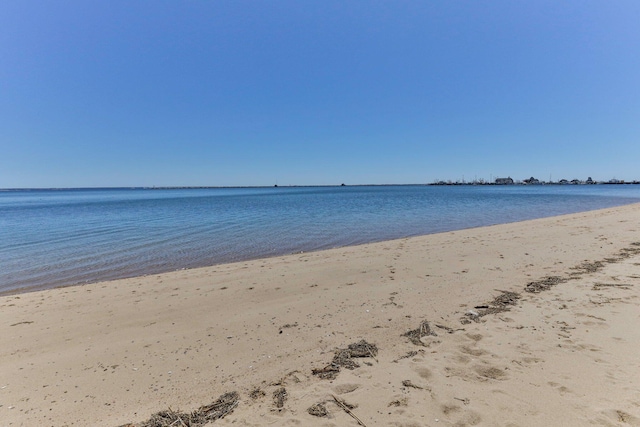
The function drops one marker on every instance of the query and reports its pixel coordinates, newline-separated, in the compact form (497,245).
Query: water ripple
(52,238)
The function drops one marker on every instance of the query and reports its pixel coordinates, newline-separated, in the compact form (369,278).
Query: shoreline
(115,352)
(83,252)
(111,278)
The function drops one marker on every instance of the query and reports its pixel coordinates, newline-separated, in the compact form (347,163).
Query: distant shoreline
(440,183)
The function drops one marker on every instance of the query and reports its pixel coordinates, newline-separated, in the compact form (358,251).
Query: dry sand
(109,354)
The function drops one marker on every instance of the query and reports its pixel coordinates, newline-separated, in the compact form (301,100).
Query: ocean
(51,238)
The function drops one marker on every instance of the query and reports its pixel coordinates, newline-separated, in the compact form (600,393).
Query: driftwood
(345,408)
(408,383)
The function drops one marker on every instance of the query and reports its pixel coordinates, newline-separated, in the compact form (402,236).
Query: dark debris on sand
(318,410)
(543,284)
(344,358)
(256,394)
(200,417)
(506,298)
(589,267)
(423,330)
(279,397)
(362,349)
(329,372)
(503,302)
(408,383)
(407,355)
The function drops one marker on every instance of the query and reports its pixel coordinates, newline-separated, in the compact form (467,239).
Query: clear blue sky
(142,93)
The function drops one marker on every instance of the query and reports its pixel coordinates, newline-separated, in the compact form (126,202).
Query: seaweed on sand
(544,284)
(499,304)
(343,358)
(318,410)
(200,417)
(279,397)
(423,330)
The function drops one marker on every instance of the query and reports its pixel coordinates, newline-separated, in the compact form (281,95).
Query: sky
(241,93)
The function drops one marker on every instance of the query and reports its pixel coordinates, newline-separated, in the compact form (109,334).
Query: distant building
(504,181)
(531,181)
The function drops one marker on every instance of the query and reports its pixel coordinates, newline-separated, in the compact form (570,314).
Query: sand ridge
(113,353)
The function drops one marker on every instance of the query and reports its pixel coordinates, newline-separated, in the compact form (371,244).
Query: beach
(522,324)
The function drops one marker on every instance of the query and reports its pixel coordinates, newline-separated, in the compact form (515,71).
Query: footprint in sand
(461,358)
(490,372)
(462,417)
(561,389)
(450,409)
(528,360)
(618,416)
(477,352)
(474,337)
(345,388)
(422,372)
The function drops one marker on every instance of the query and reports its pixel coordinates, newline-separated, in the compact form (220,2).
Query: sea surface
(52,238)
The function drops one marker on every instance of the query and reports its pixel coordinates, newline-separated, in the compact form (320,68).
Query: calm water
(60,237)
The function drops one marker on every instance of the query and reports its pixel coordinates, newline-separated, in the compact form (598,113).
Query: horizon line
(204,187)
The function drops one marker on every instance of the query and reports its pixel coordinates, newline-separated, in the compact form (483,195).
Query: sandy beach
(534,323)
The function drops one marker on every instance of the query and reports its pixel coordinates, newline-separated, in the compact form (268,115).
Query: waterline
(65,237)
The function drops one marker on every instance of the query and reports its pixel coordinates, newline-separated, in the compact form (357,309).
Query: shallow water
(61,237)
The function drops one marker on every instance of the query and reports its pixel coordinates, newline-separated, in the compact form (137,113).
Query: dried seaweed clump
(256,394)
(544,284)
(329,372)
(220,408)
(601,286)
(499,304)
(505,299)
(200,417)
(627,252)
(279,397)
(422,331)
(399,402)
(318,410)
(589,267)
(363,349)
(343,358)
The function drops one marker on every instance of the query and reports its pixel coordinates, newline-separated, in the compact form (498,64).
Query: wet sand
(109,354)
